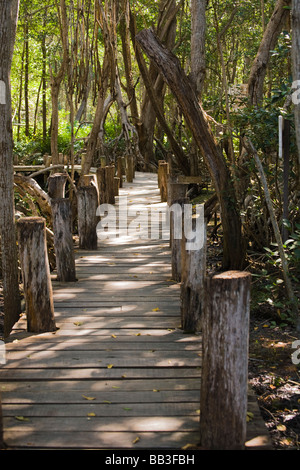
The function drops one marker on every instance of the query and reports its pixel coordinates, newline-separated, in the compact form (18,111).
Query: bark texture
(36,274)
(260,64)
(12,303)
(87,197)
(193,274)
(296,65)
(224,381)
(63,240)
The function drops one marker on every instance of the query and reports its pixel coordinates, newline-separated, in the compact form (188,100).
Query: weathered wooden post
(163,178)
(101,181)
(159,170)
(56,185)
(36,274)
(120,170)
(176,232)
(103,161)
(87,198)
(1,426)
(193,274)
(176,191)
(224,380)
(110,184)
(63,240)
(116,185)
(129,168)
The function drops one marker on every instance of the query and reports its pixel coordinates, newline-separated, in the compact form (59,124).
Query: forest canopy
(85,83)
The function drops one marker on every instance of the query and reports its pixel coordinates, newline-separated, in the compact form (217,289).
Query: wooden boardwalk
(119,373)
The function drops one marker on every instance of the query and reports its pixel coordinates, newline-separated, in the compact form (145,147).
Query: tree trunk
(26,77)
(224,380)
(169,65)
(296,65)
(260,64)
(198,37)
(152,106)
(63,240)
(36,275)
(55,82)
(12,303)
(30,186)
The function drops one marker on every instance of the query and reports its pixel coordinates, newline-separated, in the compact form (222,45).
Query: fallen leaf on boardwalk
(187,446)
(110,366)
(21,418)
(106,401)
(124,376)
(115,386)
(113,336)
(127,409)
(138,334)
(89,398)
(155,309)
(136,440)
(78,323)
(91,414)
(154,390)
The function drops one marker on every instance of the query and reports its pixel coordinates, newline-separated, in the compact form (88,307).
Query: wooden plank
(94,386)
(106,424)
(88,373)
(101,409)
(117,359)
(100,440)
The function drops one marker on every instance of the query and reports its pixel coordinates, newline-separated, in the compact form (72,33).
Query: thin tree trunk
(198,25)
(12,304)
(26,78)
(260,64)
(55,82)
(296,64)
(169,65)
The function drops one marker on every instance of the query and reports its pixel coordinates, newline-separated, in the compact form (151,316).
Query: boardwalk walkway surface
(119,373)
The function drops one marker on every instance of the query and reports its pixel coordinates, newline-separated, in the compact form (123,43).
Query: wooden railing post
(120,170)
(1,426)
(56,185)
(63,240)
(129,168)
(36,274)
(110,184)
(87,198)
(224,380)
(163,180)
(176,234)
(193,274)
(101,181)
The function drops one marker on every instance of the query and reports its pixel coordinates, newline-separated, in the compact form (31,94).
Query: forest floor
(272,374)
(275,379)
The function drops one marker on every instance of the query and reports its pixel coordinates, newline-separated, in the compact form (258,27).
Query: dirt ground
(276,379)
